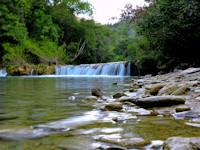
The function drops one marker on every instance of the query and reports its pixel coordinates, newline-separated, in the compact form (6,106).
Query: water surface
(37,113)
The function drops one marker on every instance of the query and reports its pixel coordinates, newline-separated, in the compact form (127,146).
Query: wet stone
(96,92)
(154,90)
(181,90)
(182,143)
(182,108)
(160,101)
(114,106)
(187,114)
(90,98)
(137,141)
(126,98)
(8,117)
(119,94)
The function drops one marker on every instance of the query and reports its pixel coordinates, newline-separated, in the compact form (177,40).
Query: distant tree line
(44,31)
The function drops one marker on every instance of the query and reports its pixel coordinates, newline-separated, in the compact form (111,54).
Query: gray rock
(114,106)
(182,143)
(119,94)
(187,114)
(140,93)
(159,101)
(96,92)
(126,98)
(182,108)
(137,141)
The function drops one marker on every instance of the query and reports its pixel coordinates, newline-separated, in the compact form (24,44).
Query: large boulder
(96,92)
(182,143)
(160,101)
(168,89)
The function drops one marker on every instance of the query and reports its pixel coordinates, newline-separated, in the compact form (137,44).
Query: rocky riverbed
(174,94)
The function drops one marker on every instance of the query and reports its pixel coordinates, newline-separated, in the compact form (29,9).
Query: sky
(105,9)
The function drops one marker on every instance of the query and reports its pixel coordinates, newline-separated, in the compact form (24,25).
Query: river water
(49,112)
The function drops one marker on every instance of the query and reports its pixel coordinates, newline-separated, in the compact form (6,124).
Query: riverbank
(175,95)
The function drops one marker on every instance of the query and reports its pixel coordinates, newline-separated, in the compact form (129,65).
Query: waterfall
(32,71)
(3,73)
(111,69)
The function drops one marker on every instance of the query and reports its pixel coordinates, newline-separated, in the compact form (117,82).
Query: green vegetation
(46,32)
(165,28)
(35,32)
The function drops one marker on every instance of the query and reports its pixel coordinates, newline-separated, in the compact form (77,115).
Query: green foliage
(175,27)
(14,54)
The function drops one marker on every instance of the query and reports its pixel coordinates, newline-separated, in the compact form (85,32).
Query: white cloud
(105,9)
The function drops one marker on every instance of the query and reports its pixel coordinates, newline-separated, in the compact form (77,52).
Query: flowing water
(49,112)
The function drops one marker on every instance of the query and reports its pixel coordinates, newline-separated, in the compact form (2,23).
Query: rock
(181,90)
(182,108)
(140,93)
(119,94)
(8,117)
(189,71)
(72,97)
(126,98)
(187,114)
(90,98)
(168,89)
(182,143)
(113,106)
(115,148)
(131,90)
(159,101)
(198,98)
(156,88)
(96,92)
(137,141)
(115,83)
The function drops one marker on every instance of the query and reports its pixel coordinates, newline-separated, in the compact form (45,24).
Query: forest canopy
(34,32)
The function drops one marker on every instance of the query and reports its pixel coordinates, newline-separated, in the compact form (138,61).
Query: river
(49,112)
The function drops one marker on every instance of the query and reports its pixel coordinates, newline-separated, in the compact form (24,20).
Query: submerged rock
(187,114)
(90,98)
(137,141)
(119,94)
(97,92)
(114,106)
(182,143)
(159,101)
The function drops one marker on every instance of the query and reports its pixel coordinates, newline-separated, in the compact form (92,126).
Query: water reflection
(59,122)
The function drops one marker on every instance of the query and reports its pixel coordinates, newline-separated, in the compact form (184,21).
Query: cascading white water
(111,69)
(32,72)
(3,73)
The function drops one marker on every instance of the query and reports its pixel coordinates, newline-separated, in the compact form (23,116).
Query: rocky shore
(30,70)
(174,94)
